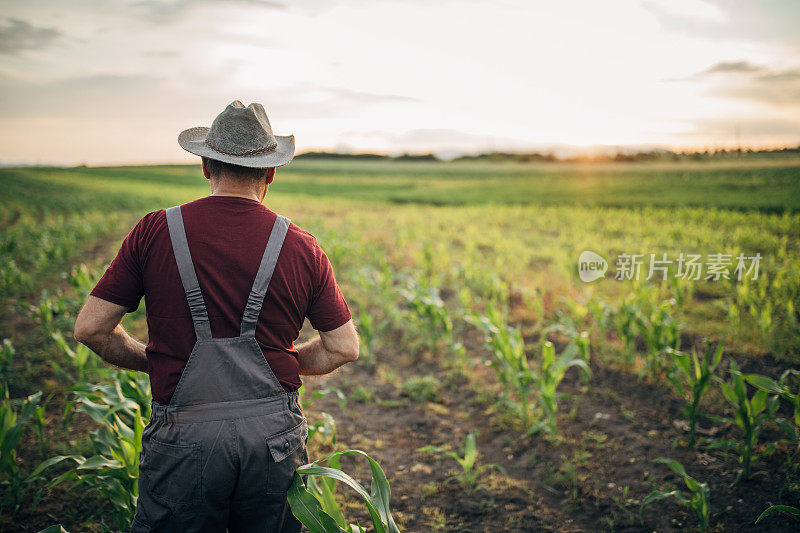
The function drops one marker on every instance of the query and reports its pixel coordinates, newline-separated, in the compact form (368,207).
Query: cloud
(434,139)
(731,20)
(77,97)
(743,80)
(17,35)
(116,97)
(160,53)
(309,101)
(360,97)
(731,66)
(167,11)
(783,76)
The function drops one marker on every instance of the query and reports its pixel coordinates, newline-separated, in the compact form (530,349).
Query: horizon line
(563,153)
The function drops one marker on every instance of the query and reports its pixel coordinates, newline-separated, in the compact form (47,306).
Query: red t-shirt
(227,236)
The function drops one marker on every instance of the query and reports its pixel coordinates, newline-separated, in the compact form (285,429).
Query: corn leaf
(788,509)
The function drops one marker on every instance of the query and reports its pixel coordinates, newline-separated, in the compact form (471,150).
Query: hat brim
(193,141)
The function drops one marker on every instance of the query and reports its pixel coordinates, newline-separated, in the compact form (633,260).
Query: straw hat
(241,136)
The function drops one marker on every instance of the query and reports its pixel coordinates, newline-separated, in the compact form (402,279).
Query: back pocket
(172,472)
(287,451)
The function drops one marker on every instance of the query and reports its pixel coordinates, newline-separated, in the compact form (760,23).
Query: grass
(727,185)
(722,184)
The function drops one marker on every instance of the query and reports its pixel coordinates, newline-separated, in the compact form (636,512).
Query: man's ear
(270,175)
(204,164)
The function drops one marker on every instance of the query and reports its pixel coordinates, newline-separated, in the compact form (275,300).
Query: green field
(456,273)
(752,184)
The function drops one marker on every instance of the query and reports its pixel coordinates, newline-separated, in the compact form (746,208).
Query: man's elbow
(80,333)
(351,354)
(85,332)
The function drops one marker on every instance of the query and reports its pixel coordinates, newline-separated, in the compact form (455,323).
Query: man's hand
(329,351)
(98,327)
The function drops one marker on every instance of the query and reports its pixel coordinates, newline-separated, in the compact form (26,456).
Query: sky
(113,81)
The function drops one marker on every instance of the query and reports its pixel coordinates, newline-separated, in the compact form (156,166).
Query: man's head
(219,170)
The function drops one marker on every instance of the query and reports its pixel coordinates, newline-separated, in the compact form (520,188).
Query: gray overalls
(222,454)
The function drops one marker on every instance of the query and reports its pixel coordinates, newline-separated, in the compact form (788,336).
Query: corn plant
(639,315)
(7,353)
(325,428)
(484,283)
(530,393)
(38,426)
(510,364)
(691,376)
(369,330)
(698,501)
(316,508)
(575,335)
(660,331)
(749,415)
(576,311)
(121,409)
(783,388)
(428,307)
(51,311)
(470,473)
(767,304)
(306,401)
(626,321)
(552,372)
(83,278)
(101,473)
(12,424)
(82,359)
(324,489)
(126,396)
(602,312)
(377,280)
(681,290)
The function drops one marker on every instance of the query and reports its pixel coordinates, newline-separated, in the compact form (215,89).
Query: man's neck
(251,196)
(224,189)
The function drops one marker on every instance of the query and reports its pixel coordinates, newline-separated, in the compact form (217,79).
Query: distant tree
(416,157)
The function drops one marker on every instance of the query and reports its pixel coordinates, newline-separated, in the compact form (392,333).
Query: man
(228,284)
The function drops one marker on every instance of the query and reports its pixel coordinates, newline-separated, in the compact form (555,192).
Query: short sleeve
(122,282)
(328,309)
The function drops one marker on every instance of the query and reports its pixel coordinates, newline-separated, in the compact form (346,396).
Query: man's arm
(98,327)
(329,351)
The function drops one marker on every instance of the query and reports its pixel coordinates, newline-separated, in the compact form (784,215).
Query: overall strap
(180,246)
(256,299)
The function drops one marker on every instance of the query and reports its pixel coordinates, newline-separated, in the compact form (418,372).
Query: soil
(591,477)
